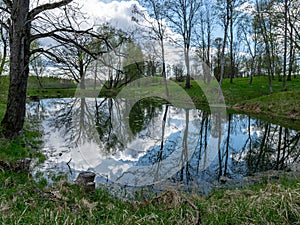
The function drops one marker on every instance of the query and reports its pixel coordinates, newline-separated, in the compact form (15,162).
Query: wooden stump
(23,165)
(86,180)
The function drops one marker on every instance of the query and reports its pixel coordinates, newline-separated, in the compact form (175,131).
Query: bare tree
(157,27)
(25,26)
(73,61)
(285,43)
(37,63)
(183,17)
(261,9)
(249,37)
(224,10)
(204,34)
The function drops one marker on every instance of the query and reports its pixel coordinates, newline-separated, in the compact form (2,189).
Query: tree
(249,37)
(233,17)
(285,43)
(109,65)
(37,63)
(203,36)
(157,28)
(74,61)
(25,26)
(218,45)
(183,17)
(20,37)
(265,26)
(224,8)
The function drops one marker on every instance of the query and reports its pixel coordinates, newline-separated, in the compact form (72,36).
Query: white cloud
(118,14)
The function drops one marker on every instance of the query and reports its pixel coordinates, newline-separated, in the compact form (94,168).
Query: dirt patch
(253,108)
(293,113)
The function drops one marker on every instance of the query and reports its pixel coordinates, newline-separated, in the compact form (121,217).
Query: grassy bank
(24,201)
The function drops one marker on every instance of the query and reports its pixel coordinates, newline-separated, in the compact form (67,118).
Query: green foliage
(133,64)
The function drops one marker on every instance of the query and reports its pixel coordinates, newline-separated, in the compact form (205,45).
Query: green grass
(25,201)
(240,90)
(281,107)
(25,146)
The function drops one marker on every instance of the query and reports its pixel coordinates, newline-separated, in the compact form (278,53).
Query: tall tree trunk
(231,43)
(187,64)
(226,24)
(19,68)
(252,70)
(292,56)
(285,43)
(164,74)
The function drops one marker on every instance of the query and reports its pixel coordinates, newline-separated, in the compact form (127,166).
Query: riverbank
(25,201)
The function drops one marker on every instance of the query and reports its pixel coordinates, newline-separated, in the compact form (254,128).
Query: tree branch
(46,7)
(45,52)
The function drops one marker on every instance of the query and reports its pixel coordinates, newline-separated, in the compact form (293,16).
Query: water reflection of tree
(245,146)
(142,113)
(107,135)
(74,119)
(81,120)
(276,149)
(184,157)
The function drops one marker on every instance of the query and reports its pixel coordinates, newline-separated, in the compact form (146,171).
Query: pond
(156,144)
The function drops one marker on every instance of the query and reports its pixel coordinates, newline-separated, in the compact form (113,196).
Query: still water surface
(156,143)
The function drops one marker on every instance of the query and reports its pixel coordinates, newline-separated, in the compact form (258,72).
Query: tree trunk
(285,44)
(19,68)
(164,74)
(187,64)
(292,56)
(3,60)
(226,24)
(231,43)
